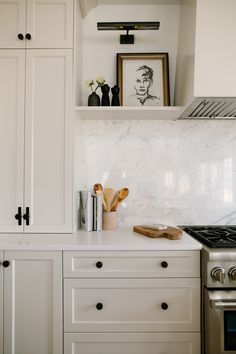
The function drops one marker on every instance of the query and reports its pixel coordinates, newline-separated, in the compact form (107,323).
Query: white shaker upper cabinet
(36,24)
(48,153)
(12,87)
(12,23)
(215,55)
(49,24)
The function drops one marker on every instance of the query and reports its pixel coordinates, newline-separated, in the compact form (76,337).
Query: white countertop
(121,239)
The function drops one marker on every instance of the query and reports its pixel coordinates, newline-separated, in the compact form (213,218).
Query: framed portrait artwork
(143,79)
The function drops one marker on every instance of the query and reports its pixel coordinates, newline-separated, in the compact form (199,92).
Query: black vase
(105,95)
(115,96)
(93,99)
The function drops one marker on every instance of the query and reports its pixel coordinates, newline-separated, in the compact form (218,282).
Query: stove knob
(232,273)
(218,274)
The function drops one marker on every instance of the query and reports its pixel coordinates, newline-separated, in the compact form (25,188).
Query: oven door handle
(223,304)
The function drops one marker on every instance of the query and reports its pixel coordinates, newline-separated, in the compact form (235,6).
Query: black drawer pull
(28,36)
(164,306)
(26,216)
(99,264)
(164,264)
(99,306)
(5,264)
(18,216)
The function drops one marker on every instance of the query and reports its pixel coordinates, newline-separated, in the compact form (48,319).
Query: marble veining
(177,172)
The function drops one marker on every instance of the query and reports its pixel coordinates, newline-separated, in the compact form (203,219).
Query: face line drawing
(142,84)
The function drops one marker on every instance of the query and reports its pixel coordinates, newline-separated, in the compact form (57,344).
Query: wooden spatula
(109,195)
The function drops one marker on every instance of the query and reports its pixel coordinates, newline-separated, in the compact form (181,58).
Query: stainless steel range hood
(210,108)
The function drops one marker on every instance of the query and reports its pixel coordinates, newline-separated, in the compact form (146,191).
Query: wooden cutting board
(172,233)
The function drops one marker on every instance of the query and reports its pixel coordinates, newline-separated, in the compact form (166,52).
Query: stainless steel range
(218,287)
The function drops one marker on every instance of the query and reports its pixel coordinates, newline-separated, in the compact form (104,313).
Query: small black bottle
(115,96)
(105,95)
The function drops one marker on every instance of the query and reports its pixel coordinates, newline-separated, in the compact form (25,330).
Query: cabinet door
(50,23)
(215,56)
(1,304)
(48,155)
(12,23)
(12,87)
(33,303)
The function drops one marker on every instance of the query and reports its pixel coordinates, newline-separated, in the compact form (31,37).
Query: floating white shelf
(129,113)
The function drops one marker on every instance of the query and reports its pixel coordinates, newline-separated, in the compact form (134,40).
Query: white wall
(183,172)
(100,47)
(180,172)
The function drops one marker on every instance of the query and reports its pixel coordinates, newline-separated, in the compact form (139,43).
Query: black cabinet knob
(99,264)
(164,264)
(164,306)
(20,36)
(5,264)
(99,306)
(28,36)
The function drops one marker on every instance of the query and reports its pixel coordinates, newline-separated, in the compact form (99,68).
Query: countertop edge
(122,239)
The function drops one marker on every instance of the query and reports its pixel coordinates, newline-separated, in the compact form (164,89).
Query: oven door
(220,321)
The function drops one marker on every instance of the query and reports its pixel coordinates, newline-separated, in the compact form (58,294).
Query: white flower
(89,83)
(100,80)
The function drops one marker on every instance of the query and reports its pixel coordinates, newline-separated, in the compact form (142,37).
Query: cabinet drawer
(132,343)
(131,264)
(132,305)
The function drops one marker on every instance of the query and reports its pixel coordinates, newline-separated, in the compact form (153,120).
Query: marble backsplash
(181,172)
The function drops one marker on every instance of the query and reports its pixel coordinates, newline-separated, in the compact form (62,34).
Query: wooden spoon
(97,187)
(98,190)
(120,196)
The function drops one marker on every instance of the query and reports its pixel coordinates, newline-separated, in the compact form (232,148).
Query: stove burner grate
(215,236)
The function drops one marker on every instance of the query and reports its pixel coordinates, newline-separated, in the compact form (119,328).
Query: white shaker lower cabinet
(131,305)
(32,302)
(132,343)
(107,311)
(1,303)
